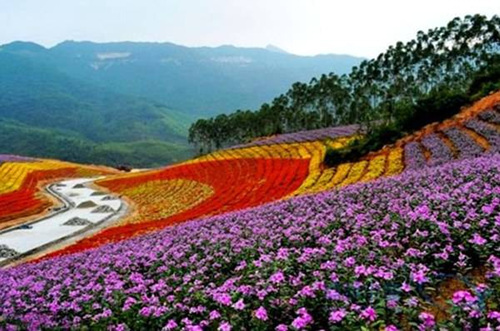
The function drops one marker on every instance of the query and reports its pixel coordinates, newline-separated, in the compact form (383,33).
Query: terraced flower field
(20,184)
(414,251)
(286,166)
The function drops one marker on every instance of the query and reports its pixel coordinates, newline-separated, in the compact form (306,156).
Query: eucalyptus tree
(373,94)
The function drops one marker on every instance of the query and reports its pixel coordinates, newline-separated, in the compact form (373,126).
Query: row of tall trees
(445,58)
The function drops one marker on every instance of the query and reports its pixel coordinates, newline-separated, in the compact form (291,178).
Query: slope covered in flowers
(286,166)
(21,179)
(379,255)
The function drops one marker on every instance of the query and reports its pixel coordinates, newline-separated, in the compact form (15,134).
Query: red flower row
(237,184)
(27,201)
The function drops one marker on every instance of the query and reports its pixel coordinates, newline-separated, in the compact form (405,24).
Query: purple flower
(463,296)
(277,278)
(349,262)
(406,287)
(146,311)
(171,325)
(419,277)
(427,319)
(369,314)
(488,209)
(478,240)
(307,291)
(411,302)
(392,304)
(239,305)
(337,315)
(303,320)
(224,326)
(224,299)
(214,314)
(261,313)
(494,315)
(299,323)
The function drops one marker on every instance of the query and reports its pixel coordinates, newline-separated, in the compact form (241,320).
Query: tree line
(448,60)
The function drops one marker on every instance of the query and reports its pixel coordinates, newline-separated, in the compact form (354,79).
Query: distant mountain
(276,49)
(130,102)
(44,112)
(200,82)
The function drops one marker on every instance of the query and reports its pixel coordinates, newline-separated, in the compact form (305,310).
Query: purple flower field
(440,153)
(414,156)
(303,136)
(370,256)
(465,145)
(487,131)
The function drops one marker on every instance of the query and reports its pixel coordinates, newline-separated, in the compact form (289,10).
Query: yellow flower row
(160,199)
(376,168)
(319,179)
(303,150)
(342,141)
(13,174)
(395,162)
(354,175)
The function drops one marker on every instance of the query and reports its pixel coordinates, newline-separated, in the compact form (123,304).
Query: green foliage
(50,143)
(373,140)
(408,86)
(438,105)
(487,80)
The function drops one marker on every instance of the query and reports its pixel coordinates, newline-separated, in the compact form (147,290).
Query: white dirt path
(88,209)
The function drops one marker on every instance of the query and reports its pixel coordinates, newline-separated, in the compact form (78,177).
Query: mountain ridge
(199,81)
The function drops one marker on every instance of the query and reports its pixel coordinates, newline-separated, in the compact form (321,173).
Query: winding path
(84,209)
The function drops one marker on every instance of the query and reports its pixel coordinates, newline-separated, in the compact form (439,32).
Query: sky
(305,27)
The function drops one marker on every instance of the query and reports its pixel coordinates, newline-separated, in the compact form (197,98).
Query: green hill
(66,118)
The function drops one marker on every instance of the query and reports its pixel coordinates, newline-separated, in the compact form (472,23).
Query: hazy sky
(306,27)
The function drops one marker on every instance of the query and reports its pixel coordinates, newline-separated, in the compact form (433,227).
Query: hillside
(88,103)
(239,178)
(40,95)
(403,238)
